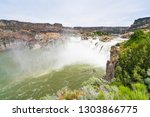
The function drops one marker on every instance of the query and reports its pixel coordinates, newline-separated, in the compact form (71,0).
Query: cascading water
(90,51)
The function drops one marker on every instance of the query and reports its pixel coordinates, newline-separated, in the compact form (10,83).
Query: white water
(93,52)
(16,63)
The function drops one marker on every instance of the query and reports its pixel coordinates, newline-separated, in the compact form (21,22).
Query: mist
(25,62)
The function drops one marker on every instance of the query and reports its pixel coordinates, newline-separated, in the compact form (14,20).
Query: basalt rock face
(26,30)
(12,32)
(111,64)
(32,27)
(141,23)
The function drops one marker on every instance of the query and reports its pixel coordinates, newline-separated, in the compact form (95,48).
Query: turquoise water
(33,74)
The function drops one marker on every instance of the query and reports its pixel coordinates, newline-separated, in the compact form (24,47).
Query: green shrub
(95,82)
(147,80)
(99,33)
(136,37)
(138,92)
(67,94)
(148,72)
(89,93)
(107,92)
(101,95)
(134,59)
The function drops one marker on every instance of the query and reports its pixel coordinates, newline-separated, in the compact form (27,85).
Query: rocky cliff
(111,64)
(141,23)
(26,30)
(15,31)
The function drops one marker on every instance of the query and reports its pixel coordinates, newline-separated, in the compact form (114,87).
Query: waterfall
(92,51)
(56,55)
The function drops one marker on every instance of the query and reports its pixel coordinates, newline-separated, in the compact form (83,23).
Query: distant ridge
(141,23)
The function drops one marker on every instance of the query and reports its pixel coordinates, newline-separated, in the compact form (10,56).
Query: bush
(89,93)
(67,94)
(136,37)
(134,59)
(95,82)
(107,92)
(99,33)
(147,80)
(138,92)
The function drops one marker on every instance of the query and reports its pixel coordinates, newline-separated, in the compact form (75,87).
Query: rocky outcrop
(126,35)
(111,64)
(15,31)
(27,26)
(141,23)
(25,30)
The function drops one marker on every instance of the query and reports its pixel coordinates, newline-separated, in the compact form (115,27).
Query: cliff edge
(141,23)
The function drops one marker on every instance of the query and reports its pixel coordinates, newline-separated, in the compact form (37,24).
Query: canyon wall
(141,23)
(26,30)
(12,32)
(112,30)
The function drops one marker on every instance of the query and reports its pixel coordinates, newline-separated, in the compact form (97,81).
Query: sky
(76,12)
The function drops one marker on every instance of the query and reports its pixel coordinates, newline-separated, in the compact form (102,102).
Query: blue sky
(76,12)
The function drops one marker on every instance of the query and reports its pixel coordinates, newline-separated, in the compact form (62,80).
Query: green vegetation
(137,92)
(134,59)
(99,33)
(99,89)
(147,80)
